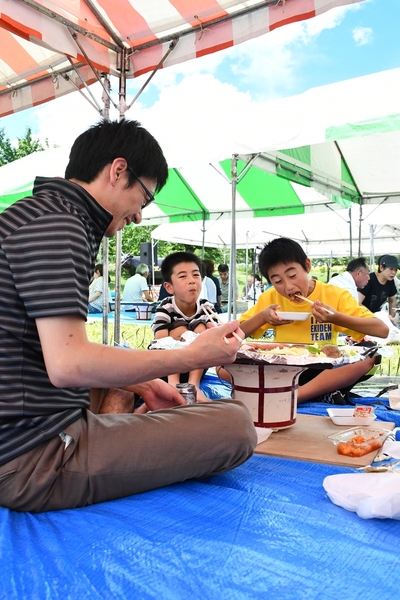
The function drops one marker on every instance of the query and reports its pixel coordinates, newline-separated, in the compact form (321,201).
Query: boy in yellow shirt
(285,265)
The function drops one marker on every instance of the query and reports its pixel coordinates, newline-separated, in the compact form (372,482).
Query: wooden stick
(311,302)
(209,318)
(211,315)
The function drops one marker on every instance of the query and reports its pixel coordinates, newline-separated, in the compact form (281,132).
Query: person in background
(210,268)
(284,263)
(57,450)
(355,276)
(208,287)
(381,287)
(256,288)
(223,271)
(246,288)
(136,287)
(95,303)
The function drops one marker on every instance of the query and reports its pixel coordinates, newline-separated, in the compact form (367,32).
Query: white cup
(394,398)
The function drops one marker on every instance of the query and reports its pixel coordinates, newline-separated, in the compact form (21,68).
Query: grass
(139,337)
(134,336)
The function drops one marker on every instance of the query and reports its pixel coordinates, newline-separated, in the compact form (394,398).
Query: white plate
(293,316)
(344,416)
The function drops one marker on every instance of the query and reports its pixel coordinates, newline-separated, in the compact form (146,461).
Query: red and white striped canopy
(47,45)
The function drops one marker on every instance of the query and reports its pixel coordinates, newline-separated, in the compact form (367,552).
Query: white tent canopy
(320,234)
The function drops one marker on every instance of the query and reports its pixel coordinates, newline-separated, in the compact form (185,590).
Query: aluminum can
(188,391)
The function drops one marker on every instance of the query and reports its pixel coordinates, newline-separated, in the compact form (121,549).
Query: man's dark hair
(357,263)
(280,251)
(223,268)
(209,264)
(170,262)
(107,140)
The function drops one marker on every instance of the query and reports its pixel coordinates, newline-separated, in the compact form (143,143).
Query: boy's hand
(272,318)
(321,314)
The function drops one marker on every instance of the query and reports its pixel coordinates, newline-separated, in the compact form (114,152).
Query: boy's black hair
(99,268)
(107,140)
(223,268)
(170,262)
(357,263)
(280,251)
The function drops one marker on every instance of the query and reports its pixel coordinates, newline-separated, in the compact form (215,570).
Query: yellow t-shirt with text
(309,331)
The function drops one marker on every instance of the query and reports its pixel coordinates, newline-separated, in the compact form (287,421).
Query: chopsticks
(311,302)
(211,315)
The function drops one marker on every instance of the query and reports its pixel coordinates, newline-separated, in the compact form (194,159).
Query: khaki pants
(113,456)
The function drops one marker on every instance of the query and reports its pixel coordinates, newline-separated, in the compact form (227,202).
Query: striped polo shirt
(48,247)
(168,316)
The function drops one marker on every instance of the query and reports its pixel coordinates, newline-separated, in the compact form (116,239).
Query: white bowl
(344,416)
(293,316)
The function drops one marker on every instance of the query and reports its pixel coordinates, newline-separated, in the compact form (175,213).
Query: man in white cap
(381,287)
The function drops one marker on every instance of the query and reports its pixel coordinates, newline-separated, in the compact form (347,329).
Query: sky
(341,44)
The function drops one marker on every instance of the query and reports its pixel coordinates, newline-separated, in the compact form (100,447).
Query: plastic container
(358,441)
(344,416)
(394,399)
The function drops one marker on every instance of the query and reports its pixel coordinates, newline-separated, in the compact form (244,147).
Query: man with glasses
(56,449)
(355,276)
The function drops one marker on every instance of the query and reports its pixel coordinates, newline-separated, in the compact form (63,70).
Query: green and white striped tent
(348,150)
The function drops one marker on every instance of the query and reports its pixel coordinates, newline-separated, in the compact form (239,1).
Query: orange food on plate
(353,447)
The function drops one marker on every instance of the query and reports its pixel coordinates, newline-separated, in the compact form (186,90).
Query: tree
(26,145)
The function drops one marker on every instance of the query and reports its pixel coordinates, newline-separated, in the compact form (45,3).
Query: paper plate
(293,316)
(344,416)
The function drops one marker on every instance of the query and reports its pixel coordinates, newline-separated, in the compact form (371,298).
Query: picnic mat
(265,530)
(307,440)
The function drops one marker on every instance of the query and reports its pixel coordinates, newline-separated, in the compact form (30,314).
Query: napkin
(263,434)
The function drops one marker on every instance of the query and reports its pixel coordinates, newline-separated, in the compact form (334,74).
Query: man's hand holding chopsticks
(216,346)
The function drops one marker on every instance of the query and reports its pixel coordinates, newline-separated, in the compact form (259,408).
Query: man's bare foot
(118,401)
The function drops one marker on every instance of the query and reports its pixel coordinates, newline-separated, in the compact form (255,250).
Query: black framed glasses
(149,196)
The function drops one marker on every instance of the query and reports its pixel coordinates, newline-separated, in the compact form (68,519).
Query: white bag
(394,332)
(370,495)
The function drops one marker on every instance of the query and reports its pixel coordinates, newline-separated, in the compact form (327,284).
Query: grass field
(139,337)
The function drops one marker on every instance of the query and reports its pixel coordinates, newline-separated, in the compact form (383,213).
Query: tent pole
(118,242)
(359,228)
(371,252)
(203,237)
(247,261)
(232,266)
(105,258)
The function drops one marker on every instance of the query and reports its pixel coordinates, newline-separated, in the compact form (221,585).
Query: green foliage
(26,145)
(133,236)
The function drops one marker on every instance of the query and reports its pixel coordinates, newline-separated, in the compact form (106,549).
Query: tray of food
(358,441)
(327,355)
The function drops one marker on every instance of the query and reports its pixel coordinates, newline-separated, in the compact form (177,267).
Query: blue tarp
(264,530)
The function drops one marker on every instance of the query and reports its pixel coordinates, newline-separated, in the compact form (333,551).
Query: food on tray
(352,449)
(363,411)
(359,441)
(289,351)
(331,351)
